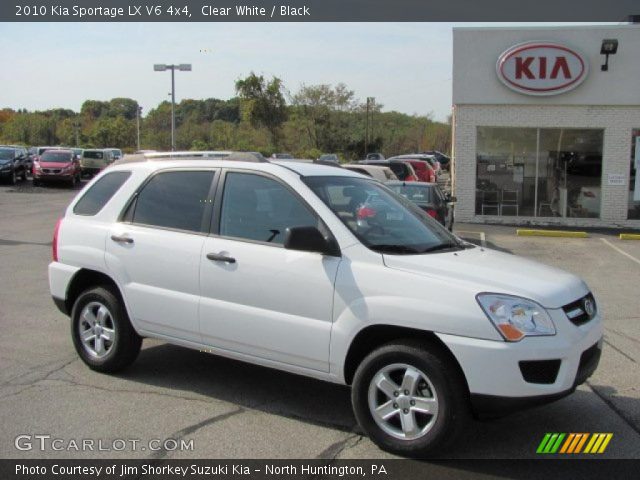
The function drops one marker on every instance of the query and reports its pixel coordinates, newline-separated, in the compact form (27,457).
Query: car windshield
(6,154)
(93,154)
(419,194)
(382,220)
(55,156)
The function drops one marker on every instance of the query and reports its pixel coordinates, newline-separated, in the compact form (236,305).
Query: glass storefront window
(539,172)
(634,178)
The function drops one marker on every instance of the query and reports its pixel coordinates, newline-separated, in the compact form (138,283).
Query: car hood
(486,270)
(54,164)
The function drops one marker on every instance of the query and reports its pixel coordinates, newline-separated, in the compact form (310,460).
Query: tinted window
(6,154)
(259,208)
(100,193)
(400,169)
(93,154)
(174,200)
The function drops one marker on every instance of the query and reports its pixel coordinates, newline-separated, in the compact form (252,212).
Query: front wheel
(101,331)
(410,399)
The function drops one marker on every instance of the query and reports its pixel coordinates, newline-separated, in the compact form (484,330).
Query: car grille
(579,312)
(51,170)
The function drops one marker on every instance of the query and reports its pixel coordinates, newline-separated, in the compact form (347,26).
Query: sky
(405,66)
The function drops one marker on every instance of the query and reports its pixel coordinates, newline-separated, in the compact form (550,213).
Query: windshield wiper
(442,246)
(392,248)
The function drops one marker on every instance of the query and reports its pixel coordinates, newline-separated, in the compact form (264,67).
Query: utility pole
(183,67)
(138,113)
(76,131)
(370,101)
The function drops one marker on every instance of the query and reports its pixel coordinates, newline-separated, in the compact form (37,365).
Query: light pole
(183,67)
(138,113)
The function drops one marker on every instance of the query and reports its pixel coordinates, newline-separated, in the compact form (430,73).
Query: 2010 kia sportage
(276,264)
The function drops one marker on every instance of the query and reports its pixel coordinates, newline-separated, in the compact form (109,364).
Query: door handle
(121,239)
(216,257)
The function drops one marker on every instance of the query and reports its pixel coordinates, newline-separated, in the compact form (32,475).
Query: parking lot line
(621,251)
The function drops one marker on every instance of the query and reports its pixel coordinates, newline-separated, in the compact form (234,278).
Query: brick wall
(617,122)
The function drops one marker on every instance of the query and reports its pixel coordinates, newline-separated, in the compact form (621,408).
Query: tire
(24,175)
(438,386)
(104,355)
(14,178)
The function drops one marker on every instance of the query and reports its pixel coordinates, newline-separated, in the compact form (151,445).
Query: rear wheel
(410,399)
(101,331)
(13,179)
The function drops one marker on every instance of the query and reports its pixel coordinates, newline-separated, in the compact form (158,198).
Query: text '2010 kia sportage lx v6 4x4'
(323,272)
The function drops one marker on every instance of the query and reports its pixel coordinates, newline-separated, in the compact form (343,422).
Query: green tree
(263,104)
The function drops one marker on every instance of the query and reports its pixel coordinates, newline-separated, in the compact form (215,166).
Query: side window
(258,208)
(100,193)
(174,200)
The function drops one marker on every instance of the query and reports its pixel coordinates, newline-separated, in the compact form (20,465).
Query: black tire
(452,397)
(125,347)
(24,175)
(14,178)
(36,183)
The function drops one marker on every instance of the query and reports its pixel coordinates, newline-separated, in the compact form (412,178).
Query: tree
(263,104)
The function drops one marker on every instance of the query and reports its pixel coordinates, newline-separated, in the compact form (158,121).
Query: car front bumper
(493,368)
(54,177)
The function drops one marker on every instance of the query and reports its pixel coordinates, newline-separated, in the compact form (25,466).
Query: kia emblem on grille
(589,308)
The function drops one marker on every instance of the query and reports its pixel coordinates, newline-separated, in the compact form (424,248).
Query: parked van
(95,160)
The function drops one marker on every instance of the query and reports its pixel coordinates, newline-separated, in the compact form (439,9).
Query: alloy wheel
(403,401)
(96,329)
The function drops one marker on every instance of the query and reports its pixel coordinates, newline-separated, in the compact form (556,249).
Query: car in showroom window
(319,271)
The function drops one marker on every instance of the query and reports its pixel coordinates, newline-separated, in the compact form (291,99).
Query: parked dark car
(429,197)
(13,163)
(403,170)
(444,160)
(57,166)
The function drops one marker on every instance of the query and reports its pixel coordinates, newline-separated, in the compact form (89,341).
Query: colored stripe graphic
(573,443)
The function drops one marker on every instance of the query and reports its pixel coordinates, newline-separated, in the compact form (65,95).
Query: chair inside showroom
(509,202)
(490,202)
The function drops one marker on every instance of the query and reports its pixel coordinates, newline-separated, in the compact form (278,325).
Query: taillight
(432,213)
(366,212)
(54,245)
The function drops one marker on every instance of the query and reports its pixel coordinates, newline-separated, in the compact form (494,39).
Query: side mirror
(310,239)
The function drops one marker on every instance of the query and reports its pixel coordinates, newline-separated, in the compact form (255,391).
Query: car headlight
(516,317)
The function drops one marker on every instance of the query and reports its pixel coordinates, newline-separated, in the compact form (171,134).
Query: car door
(258,298)
(154,252)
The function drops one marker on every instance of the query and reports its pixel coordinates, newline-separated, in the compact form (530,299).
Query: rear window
(100,193)
(53,156)
(417,194)
(93,154)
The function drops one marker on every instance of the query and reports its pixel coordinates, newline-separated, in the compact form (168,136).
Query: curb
(551,233)
(630,236)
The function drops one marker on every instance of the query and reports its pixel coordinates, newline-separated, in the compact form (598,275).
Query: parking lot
(234,410)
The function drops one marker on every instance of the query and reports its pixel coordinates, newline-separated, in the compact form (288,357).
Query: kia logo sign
(541,68)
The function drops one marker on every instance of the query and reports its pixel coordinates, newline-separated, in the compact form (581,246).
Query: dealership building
(546,125)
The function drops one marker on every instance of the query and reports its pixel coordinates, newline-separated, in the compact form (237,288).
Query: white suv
(322,272)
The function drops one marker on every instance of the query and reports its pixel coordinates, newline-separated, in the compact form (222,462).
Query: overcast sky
(406,67)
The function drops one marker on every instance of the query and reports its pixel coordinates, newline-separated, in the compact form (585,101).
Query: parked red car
(424,171)
(57,166)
